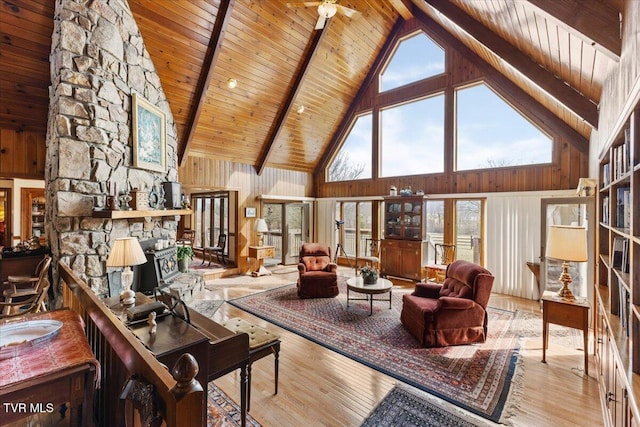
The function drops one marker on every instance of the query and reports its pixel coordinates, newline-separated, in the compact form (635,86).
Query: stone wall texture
(98,60)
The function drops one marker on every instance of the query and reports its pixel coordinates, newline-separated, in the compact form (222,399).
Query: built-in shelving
(132,214)
(617,293)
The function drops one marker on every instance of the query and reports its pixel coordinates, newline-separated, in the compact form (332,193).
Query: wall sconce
(232,83)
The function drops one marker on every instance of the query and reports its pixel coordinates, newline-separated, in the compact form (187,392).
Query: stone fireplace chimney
(98,60)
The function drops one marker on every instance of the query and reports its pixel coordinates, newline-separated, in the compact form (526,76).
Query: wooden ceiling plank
(570,98)
(591,21)
(402,8)
(313,45)
(336,139)
(215,42)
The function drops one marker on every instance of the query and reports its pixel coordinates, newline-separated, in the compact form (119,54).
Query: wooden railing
(122,356)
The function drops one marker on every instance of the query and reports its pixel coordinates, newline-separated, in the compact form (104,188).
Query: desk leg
(545,335)
(243,396)
(585,336)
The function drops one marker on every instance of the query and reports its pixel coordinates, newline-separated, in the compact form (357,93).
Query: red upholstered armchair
(451,313)
(318,275)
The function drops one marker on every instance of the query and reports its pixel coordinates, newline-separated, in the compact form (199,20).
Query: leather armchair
(318,275)
(452,313)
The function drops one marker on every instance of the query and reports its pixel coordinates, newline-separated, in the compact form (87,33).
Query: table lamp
(126,252)
(567,243)
(260,227)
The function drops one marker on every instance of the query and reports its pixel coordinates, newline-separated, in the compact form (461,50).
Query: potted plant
(369,275)
(184,255)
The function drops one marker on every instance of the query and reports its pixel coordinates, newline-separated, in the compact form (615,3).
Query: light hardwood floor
(319,387)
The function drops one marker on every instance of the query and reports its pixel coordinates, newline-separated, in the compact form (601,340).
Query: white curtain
(325,221)
(513,238)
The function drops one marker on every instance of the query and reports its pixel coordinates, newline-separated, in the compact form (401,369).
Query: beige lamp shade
(260,226)
(125,252)
(567,243)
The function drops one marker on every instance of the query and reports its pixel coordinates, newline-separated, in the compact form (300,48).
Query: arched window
(491,133)
(416,57)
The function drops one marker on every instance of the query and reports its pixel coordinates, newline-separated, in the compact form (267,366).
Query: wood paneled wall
(22,154)
(202,173)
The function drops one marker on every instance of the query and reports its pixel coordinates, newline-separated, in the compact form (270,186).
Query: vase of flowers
(369,275)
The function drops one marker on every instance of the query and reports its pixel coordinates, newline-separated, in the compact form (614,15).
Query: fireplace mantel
(139,214)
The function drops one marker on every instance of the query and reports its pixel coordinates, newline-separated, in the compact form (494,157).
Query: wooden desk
(218,350)
(573,314)
(260,253)
(59,371)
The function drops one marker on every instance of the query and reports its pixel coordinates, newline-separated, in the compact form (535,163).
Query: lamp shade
(567,243)
(126,252)
(260,226)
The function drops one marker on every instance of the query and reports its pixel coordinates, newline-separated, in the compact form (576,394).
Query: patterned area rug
(224,412)
(475,377)
(407,407)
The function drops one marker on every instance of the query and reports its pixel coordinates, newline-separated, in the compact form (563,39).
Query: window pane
(365,224)
(412,138)
(354,158)
(435,225)
(415,58)
(468,232)
(492,134)
(349,243)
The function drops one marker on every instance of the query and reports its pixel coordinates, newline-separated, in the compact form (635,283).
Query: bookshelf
(617,287)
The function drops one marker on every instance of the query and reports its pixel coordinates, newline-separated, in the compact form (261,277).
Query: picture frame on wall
(250,212)
(149,135)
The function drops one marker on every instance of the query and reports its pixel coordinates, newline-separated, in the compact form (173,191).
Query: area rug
(197,264)
(224,412)
(476,377)
(407,407)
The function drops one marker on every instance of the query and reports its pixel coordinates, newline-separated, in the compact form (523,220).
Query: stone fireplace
(98,60)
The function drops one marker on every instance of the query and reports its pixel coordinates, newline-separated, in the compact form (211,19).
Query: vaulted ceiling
(557,52)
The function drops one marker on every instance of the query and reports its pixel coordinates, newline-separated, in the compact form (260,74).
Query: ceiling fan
(326,9)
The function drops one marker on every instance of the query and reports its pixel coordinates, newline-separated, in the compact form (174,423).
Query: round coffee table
(382,286)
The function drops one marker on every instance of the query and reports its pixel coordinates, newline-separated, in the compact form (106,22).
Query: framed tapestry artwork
(149,135)
(250,212)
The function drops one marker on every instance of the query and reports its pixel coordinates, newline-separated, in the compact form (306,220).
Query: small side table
(573,314)
(260,253)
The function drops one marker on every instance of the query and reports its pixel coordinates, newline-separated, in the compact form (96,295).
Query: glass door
(288,225)
(566,211)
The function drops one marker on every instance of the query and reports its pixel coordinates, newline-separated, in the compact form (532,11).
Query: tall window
(357,228)
(435,226)
(491,133)
(412,138)
(353,161)
(469,230)
(211,212)
(416,57)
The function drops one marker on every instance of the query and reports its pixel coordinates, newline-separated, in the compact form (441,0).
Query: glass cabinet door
(393,220)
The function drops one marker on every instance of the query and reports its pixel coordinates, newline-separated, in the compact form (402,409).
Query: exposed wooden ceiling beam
(506,86)
(312,47)
(348,116)
(206,73)
(556,88)
(592,21)
(403,7)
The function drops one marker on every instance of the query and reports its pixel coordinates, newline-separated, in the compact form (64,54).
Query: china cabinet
(32,212)
(404,248)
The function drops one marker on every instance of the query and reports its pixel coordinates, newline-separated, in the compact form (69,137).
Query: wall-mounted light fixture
(232,83)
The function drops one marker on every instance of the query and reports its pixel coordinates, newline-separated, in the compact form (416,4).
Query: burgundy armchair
(318,275)
(452,313)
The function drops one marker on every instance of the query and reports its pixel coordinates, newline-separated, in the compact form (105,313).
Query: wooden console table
(260,253)
(61,370)
(573,314)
